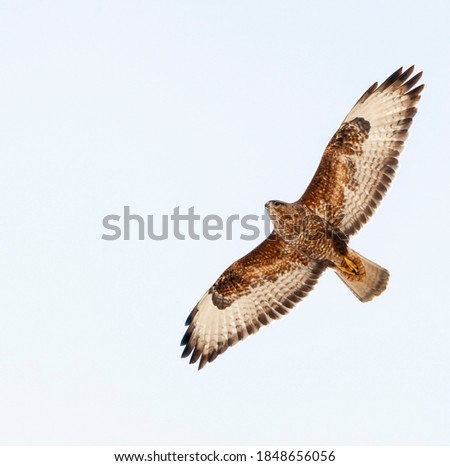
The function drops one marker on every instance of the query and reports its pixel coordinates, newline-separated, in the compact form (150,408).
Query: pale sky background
(221,105)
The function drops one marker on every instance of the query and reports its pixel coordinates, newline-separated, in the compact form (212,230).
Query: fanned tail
(365,279)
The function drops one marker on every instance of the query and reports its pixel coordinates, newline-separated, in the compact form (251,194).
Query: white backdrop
(221,106)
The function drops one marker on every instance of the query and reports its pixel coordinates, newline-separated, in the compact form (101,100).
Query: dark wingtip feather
(188,343)
(391,79)
(413,93)
(369,92)
(187,351)
(195,355)
(203,361)
(185,338)
(410,112)
(191,316)
(213,355)
(412,82)
(406,74)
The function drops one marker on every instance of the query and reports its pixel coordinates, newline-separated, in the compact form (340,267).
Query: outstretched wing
(262,286)
(359,162)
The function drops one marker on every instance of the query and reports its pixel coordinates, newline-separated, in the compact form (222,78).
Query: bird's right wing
(262,286)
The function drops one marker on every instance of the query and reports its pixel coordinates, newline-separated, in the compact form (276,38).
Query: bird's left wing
(359,162)
(262,286)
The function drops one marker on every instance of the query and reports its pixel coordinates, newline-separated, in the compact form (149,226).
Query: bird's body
(307,232)
(323,243)
(312,234)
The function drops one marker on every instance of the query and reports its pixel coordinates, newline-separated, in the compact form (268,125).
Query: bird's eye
(276,203)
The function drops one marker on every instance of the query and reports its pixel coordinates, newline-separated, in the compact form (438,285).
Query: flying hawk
(312,234)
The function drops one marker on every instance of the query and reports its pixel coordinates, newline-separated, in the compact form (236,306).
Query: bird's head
(286,218)
(275,208)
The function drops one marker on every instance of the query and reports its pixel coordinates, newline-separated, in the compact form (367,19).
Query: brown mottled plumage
(312,233)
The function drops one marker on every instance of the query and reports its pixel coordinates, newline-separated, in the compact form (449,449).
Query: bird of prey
(312,234)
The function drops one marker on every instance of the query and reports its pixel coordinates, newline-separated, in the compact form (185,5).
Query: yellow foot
(348,267)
